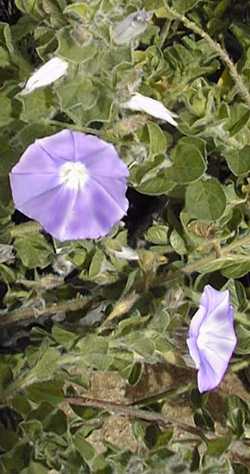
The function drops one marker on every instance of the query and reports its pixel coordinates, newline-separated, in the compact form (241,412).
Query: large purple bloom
(73,184)
(212,339)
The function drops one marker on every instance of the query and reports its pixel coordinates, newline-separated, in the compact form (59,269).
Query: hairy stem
(239,83)
(75,127)
(224,252)
(30,313)
(132,412)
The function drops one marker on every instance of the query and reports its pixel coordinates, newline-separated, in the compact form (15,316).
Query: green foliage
(94,372)
(34,251)
(206,200)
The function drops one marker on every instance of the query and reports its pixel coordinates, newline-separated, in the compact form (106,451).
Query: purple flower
(73,184)
(212,339)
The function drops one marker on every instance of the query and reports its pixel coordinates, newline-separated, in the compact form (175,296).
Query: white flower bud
(46,74)
(141,103)
(132,26)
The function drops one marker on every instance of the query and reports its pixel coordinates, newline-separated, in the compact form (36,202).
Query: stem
(131,412)
(224,251)
(239,83)
(240,365)
(75,127)
(29,313)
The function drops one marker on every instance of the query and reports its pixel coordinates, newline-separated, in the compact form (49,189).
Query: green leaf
(239,161)
(34,251)
(237,294)
(8,439)
(232,266)
(188,162)
(217,447)
(84,448)
(6,376)
(6,110)
(79,9)
(44,368)
(206,200)
(69,49)
(238,268)
(96,264)
(4,58)
(183,6)
(157,139)
(157,234)
(178,243)
(17,458)
(37,106)
(31,428)
(76,96)
(243,335)
(151,177)
(156,186)
(50,391)
(8,157)
(35,468)
(63,337)
(28,6)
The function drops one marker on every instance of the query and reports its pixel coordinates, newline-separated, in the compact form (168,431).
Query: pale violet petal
(194,351)
(196,322)
(141,103)
(212,338)
(46,74)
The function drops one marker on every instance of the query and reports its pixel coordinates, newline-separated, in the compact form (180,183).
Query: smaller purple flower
(73,184)
(212,338)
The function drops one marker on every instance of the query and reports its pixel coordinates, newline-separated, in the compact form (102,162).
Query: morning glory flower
(141,103)
(73,184)
(46,74)
(212,339)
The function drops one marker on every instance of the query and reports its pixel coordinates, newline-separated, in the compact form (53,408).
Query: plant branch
(131,412)
(30,313)
(225,252)
(239,83)
(75,127)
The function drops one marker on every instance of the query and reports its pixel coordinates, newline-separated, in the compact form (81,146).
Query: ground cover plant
(124,282)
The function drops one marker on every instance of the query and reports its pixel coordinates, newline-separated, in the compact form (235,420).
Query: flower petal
(212,298)
(35,160)
(197,321)
(212,339)
(207,378)
(75,214)
(150,106)
(61,145)
(219,316)
(194,351)
(34,186)
(99,157)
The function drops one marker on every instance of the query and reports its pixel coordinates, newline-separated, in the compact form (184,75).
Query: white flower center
(74,175)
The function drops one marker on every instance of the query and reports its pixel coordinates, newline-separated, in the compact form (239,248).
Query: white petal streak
(126,253)
(46,74)
(141,103)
